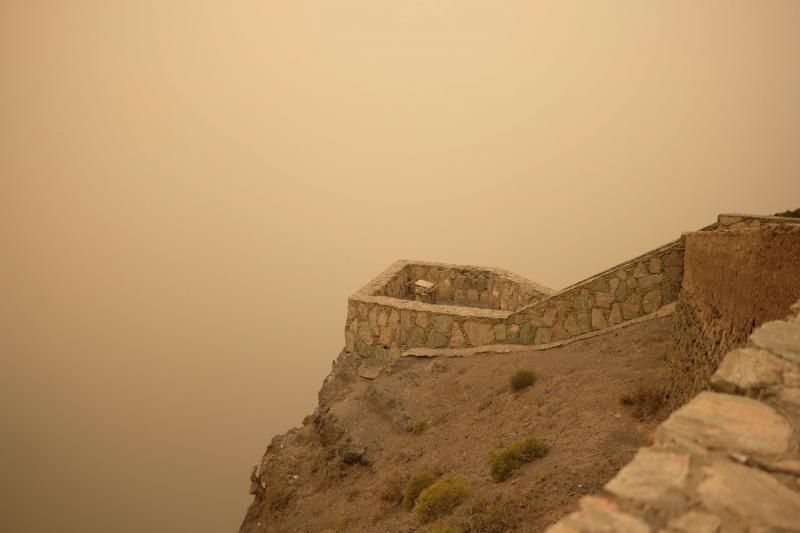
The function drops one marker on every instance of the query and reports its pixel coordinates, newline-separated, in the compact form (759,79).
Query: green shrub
(790,213)
(442,497)
(503,461)
(418,426)
(415,485)
(522,379)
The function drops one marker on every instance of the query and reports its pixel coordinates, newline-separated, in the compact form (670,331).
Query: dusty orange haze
(184,182)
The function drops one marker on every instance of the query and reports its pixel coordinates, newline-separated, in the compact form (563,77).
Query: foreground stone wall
(726,461)
(382,323)
(734,281)
(627,291)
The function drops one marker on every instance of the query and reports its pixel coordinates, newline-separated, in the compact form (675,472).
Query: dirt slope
(337,471)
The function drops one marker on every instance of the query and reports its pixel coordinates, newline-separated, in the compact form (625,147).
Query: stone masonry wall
(727,461)
(381,323)
(488,288)
(734,281)
(625,292)
(484,306)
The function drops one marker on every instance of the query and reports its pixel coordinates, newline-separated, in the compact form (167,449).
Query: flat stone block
(650,475)
(779,337)
(478,333)
(695,522)
(733,423)
(598,515)
(651,301)
(604,299)
(598,319)
(750,369)
(753,496)
(543,336)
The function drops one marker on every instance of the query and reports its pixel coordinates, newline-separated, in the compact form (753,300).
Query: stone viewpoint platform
(469,307)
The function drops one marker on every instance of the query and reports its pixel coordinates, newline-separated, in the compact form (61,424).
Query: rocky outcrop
(726,461)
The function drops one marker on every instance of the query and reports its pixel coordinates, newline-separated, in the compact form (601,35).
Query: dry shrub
(441,498)
(415,485)
(496,515)
(645,400)
(503,461)
(445,529)
(522,379)
(418,426)
(392,490)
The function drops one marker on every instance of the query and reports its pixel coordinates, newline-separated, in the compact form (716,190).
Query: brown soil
(318,480)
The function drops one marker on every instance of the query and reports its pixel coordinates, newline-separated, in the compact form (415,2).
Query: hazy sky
(190,190)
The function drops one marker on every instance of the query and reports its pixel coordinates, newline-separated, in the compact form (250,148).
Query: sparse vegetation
(644,401)
(503,461)
(418,426)
(445,529)
(491,516)
(392,490)
(522,379)
(441,498)
(415,485)
(789,213)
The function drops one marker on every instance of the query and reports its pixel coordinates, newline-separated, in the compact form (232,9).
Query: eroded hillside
(345,468)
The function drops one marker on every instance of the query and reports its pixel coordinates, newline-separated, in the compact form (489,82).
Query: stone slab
(650,475)
(721,421)
(779,337)
(750,369)
(599,515)
(751,495)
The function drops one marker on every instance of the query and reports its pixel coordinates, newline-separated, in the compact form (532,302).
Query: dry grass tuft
(418,426)
(441,498)
(497,515)
(503,461)
(418,482)
(645,401)
(391,490)
(522,379)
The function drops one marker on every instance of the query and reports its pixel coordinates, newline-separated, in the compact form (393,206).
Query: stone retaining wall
(635,288)
(381,322)
(734,281)
(482,306)
(726,461)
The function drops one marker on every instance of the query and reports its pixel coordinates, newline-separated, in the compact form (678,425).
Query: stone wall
(627,291)
(382,322)
(726,461)
(734,221)
(480,306)
(488,288)
(734,281)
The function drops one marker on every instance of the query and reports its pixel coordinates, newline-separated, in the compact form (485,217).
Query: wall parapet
(726,461)
(473,303)
(478,306)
